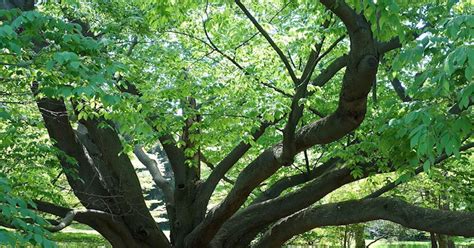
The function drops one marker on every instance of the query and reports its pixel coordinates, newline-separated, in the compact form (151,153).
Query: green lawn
(464,243)
(79,240)
(406,244)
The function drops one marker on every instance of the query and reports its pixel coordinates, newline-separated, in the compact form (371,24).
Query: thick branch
(83,216)
(347,15)
(330,71)
(341,62)
(289,135)
(175,155)
(285,183)
(213,167)
(312,61)
(120,179)
(401,92)
(387,46)
(263,214)
(66,221)
(350,212)
(152,167)
(85,182)
(224,166)
(319,58)
(296,107)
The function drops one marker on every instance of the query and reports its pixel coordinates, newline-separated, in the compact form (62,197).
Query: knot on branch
(283,158)
(142,232)
(357,117)
(368,64)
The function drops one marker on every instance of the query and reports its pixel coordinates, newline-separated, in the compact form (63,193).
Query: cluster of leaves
(446,187)
(16,212)
(28,156)
(55,55)
(436,69)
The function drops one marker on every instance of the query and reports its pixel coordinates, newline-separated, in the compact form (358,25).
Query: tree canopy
(265,111)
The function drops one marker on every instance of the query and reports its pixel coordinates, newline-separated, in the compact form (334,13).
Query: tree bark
(287,182)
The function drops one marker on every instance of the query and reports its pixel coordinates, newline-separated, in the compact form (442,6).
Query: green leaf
(75,64)
(38,238)
(415,139)
(403,178)
(4,114)
(427,166)
(7,32)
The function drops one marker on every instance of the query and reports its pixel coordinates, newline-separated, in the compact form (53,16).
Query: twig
(269,39)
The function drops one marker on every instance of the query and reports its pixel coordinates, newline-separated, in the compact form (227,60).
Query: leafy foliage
(15,211)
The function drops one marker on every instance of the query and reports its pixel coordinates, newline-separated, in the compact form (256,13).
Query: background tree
(272,96)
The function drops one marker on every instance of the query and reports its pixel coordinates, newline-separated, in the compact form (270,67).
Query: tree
(273,97)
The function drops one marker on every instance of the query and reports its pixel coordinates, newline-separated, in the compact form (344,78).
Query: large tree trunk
(105,179)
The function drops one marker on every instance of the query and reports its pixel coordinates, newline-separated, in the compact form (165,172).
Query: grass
(405,244)
(79,240)
(419,244)
(79,226)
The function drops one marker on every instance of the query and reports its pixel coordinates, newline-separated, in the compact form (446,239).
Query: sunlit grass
(80,240)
